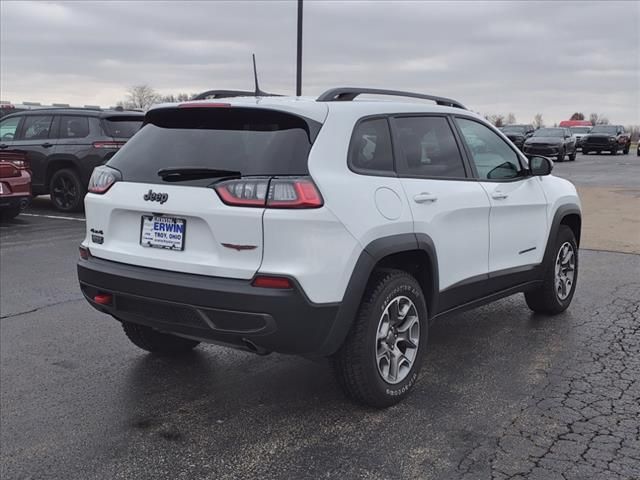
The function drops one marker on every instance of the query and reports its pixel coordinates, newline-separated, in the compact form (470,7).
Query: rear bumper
(215,310)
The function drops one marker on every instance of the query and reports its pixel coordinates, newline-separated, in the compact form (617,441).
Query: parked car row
(61,146)
(568,138)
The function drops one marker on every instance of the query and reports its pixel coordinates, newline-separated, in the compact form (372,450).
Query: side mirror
(540,166)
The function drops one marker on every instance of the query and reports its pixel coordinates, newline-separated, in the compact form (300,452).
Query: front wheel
(380,359)
(572,157)
(66,190)
(626,150)
(561,155)
(9,213)
(560,277)
(157,342)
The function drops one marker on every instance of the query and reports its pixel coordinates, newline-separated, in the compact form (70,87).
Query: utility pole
(299,62)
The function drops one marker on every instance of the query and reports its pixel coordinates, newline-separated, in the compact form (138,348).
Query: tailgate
(116,219)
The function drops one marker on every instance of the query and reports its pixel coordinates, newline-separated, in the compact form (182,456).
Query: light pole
(299,53)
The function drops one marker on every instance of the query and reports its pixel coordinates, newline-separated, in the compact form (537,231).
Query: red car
(15,185)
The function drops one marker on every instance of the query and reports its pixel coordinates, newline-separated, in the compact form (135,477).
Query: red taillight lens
(102,179)
(279,192)
(272,282)
(84,253)
(293,193)
(108,145)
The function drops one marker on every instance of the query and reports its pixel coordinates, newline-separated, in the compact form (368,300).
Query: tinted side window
(370,147)
(492,157)
(74,126)
(36,127)
(8,128)
(427,148)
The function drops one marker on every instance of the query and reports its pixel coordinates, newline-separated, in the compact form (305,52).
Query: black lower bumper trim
(217,310)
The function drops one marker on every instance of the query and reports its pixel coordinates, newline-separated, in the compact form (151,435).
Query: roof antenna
(258,92)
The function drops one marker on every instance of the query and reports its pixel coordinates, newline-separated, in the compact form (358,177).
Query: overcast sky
(523,57)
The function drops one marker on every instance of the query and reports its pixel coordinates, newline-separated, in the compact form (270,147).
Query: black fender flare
(562,212)
(367,261)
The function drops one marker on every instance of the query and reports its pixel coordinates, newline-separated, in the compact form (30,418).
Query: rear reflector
(103,298)
(272,282)
(278,192)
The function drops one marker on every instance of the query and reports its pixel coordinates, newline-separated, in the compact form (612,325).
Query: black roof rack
(230,93)
(347,94)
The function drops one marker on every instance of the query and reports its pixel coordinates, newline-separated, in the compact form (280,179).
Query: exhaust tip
(255,348)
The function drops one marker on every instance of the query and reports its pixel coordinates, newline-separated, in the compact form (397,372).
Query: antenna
(258,92)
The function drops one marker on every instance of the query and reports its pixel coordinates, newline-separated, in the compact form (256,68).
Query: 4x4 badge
(151,196)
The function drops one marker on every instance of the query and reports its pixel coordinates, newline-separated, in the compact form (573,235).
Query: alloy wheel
(397,339)
(565,270)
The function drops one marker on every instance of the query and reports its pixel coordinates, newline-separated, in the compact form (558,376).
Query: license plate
(163,232)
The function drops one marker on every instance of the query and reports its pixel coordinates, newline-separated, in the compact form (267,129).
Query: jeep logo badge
(151,196)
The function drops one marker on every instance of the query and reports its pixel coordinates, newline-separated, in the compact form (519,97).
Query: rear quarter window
(122,127)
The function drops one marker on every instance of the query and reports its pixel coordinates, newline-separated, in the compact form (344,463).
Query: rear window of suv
(121,126)
(246,140)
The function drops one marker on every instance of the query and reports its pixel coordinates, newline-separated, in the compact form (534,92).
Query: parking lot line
(81,219)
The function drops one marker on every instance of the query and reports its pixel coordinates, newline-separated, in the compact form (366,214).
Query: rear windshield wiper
(195,173)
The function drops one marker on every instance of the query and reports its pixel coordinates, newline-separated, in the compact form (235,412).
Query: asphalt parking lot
(503,394)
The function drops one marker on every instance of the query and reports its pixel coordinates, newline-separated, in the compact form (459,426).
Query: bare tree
(511,119)
(141,96)
(598,119)
(538,122)
(181,97)
(577,116)
(497,120)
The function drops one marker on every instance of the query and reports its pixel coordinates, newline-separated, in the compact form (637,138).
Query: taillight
(84,252)
(102,179)
(108,145)
(279,192)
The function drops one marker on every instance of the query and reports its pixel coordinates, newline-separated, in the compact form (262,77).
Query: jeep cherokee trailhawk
(322,227)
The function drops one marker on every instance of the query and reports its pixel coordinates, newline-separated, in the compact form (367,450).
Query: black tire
(598,152)
(614,151)
(67,191)
(626,150)
(157,342)
(561,155)
(572,157)
(10,213)
(585,152)
(546,299)
(356,364)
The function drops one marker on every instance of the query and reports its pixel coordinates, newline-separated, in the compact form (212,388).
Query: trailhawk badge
(151,196)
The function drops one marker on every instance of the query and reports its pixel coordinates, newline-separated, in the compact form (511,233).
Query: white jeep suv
(322,227)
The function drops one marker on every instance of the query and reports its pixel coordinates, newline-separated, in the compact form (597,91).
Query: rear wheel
(157,342)
(560,278)
(380,359)
(66,190)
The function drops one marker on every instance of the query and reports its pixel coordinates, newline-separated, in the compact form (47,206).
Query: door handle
(47,145)
(498,195)
(425,197)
